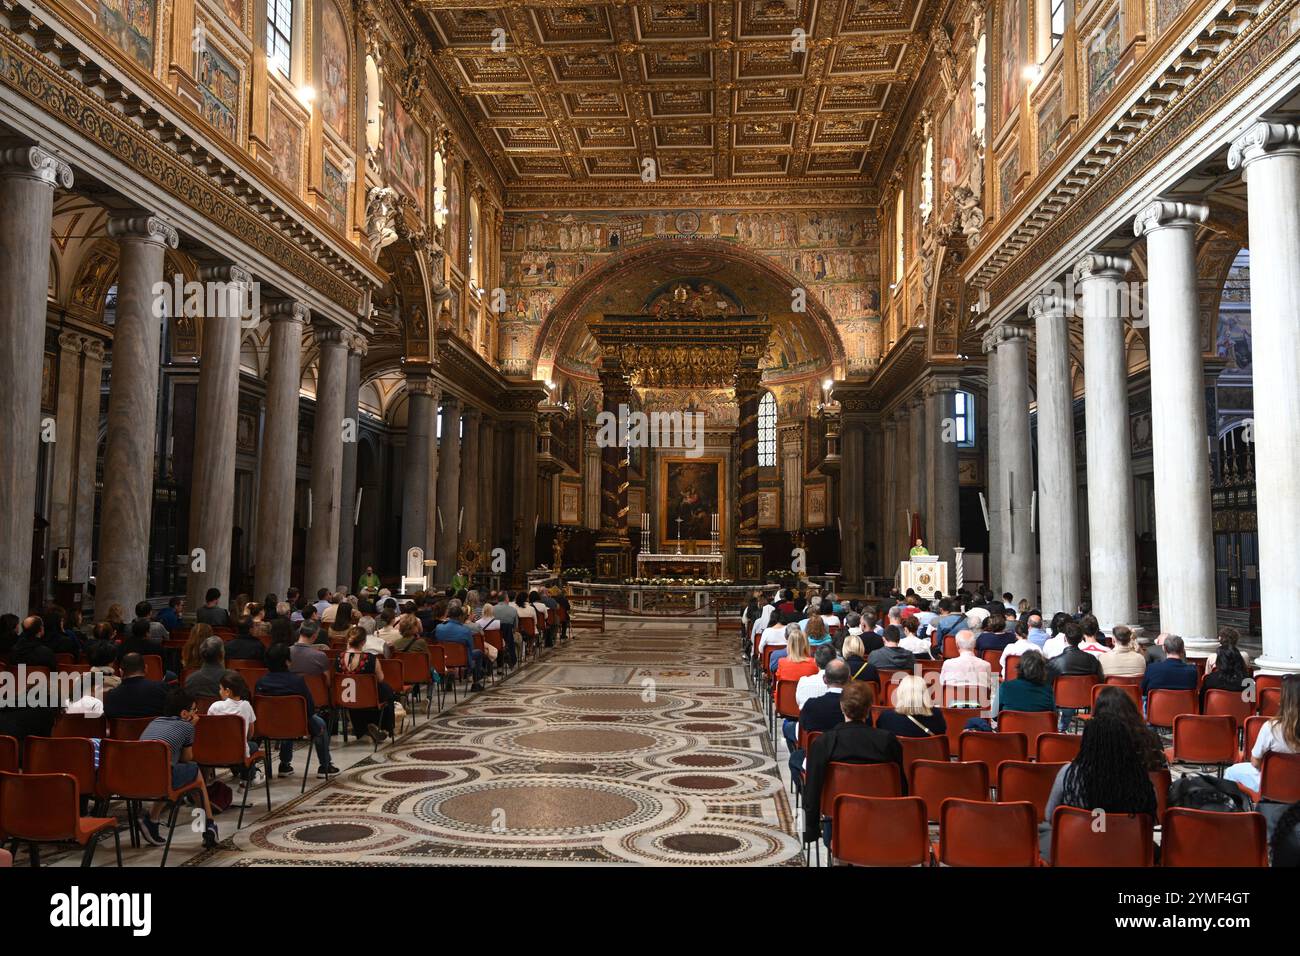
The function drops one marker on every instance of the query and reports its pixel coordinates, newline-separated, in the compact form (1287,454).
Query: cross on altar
(679,535)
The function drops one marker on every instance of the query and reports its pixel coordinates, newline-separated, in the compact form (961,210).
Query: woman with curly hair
(1113,702)
(190,652)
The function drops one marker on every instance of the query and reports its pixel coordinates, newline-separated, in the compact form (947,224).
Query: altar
(691,565)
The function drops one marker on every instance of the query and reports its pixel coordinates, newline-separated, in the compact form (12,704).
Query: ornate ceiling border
(546,198)
(74,105)
(1215,63)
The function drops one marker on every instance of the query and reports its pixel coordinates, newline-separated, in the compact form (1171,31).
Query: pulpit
(924,574)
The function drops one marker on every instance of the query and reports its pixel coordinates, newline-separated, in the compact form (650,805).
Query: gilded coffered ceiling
(743,92)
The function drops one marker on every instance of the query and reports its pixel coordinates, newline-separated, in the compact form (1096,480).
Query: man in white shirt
(1055,646)
(1022,644)
(912,639)
(1092,636)
(814,685)
(966,670)
(773,636)
(322,600)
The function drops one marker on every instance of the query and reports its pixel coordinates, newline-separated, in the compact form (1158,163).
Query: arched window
(964,419)
(767,430)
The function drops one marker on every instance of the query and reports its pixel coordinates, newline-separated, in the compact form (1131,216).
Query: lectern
(924,574)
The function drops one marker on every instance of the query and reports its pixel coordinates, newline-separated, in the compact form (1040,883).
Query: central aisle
(639,745)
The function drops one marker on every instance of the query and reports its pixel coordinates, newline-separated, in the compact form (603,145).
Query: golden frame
(720,467)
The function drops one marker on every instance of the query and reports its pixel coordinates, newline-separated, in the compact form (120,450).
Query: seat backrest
(860,779)
(935,781)
(437,658)
(457,655)
(1031,782)
(994,659)
(1211,838)
(1032,723)
(1205,739)
(1074,690)
(415,666)
(1133,691)
(981,833)
(77,725)
(72,755)
(1057,748)
(1253,725)
(786,704)
(923,748)
(8,754)
(1013,667)
(1270,701)
(1164,705)
(879,831)
(220,739)
(991,749)
(1280,777)
(128,728)
(281,718)
(954,722)
(153,667)
(1124,841)
(134,769)
(1231,703)
(360,691)
(394,673)
(39,806)
(1161,781)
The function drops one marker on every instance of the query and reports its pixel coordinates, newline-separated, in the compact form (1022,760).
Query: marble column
(486,483)
(1112,535)
(749,549)
(921,427)
(853,499)
(993,465)
(28,177)
(612,543)
(421,406)
(1269,156)
(1184,545)
(888,486)
(83,498)
(448,541)
(273,554)
(904,455)
(1019,560)
(943,510)
(526,475)
(126,504)
(469,476)
(1058,503)
(212,498)
(63,487)
(327,461)
(348,481)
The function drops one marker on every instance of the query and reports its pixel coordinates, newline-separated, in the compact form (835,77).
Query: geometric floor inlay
(641,744)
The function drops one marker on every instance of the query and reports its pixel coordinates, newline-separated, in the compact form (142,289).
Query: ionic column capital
(357,344)
(329,334)
(142,227)
(940,384)
(1263,139)
(1168,214)
(1098,265)
(472,415)
(228,272)
(34,162)
(450,403)
(71,342)
(94,349)
(288,310)
(1045,304)
(421,384)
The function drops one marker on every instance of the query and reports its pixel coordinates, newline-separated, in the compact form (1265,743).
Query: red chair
(1020,780)
(858,779)
(318,685)
(280,719)
(438,662)
(994,660)
(1228,703)
(395,678)
(355,692)
(38,808)
(128,728)
(1270,701)
(70,755)
(1074,691)
(935,782)
(138,770)
(153,667)
(77,725)
(950,646)
(1124,679)
(1057,748)
(220,741)
(1209,838)
(418,672)
(1279,778)
(1032,723)
(456,659)
(879,831)
(1124,839)
(1161,781)
(1134,692)
(8,754)
(784,706)
(991,749)
(923,748)
(1199,739)
(1013,667)
(980,833)
(1164,705)
(1252,728)
(954,724)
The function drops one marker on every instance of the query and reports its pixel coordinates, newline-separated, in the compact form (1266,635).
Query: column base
(749,562)
(1275,665)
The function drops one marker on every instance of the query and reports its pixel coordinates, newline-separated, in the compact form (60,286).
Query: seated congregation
(151,714)
(965,731)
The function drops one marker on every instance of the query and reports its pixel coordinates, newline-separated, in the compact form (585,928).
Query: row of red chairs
(894,831)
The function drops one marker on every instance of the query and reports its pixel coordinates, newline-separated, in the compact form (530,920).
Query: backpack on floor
(1203,791)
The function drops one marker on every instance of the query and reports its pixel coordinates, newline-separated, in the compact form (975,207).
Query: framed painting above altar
(689,489)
